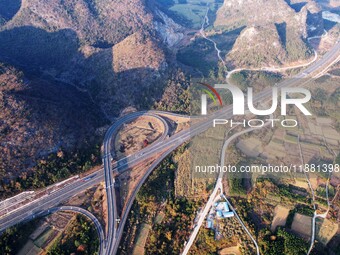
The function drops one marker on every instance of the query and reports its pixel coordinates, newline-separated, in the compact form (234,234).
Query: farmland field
(193,13)
(45,237)
(190,13)
(325,230)
(29,248)
(302,224)
(280,217)
(141,239)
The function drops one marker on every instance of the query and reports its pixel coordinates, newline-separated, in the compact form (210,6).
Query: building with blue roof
(222,210)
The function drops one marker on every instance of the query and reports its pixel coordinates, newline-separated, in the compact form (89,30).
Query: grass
(290,138)
(189,13)
(192,13)
(276,140)
(325,230)
(44,237)
(141,239)
(321,191)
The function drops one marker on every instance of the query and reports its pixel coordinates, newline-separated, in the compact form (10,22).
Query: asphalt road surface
(33,209)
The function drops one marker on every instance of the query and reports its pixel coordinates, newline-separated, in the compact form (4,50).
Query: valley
(100,127)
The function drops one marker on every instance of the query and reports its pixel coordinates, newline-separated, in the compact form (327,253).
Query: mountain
(100,46)
(275,32)
(95,22)
(68,65)
(38,117)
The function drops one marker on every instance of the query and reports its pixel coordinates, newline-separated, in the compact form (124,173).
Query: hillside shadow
(212,14)
(315,24)
(281,29)
(50,97)
(227,44)
(296,6)
(33,48)
(139,87)
(55,56)
(116,90)
(69,113)
(328,25)
(8,8)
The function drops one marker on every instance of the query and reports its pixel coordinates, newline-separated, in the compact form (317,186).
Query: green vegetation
(188,13)
(192,14)
(231,235)
(297,49)
(236,185)
(290,218)
(335,72)
(300,208)
(226,39)
(14,238)
(256,212)
(90,18)
(337,159)
(166,3)
(49,133)
(80,237)
(56,167)
(251,48)
(256,79)
(305,210)
(230,232)
(157,195)
(170,236)
(282,243)
(34,48)
(200,54)
(44,237)
(290,138)
(321,191)
(176,97)
(324,103)
(286,192)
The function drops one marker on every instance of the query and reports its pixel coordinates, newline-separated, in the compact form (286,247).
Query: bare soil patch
(234,250)
(136,135)
(280,217)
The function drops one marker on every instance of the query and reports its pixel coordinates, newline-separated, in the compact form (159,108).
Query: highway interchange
(161,148)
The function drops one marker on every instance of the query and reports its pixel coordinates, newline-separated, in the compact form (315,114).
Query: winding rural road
(219,189)
(35,208)
(268,69)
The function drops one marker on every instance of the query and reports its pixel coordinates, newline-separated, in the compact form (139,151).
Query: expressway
(39,207)
(55,198)
(173,142)
(110,181)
